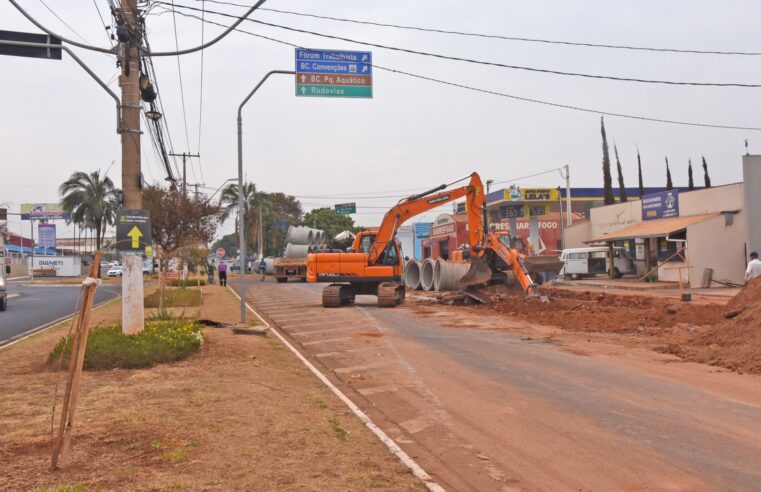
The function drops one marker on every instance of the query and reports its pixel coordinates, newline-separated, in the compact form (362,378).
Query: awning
(654,228)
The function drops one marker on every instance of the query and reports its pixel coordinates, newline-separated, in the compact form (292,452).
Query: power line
(510,96)
(182,90)
(102,21)
(513,180)
(495,36)
(63,21)
(481,62)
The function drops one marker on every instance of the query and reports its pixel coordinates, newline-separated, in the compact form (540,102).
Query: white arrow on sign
(364,68)
(303,90)
(303,78)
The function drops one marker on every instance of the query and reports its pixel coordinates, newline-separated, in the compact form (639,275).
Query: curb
(392,446)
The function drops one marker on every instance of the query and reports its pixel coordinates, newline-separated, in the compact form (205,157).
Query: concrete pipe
(412,274)
(299,235)
(269,266)
(296,250)
(426,274)
(446,275)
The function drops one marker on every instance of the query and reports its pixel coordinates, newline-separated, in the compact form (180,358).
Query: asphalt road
(33,306)
(482,406)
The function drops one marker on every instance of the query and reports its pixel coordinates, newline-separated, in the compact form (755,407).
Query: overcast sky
(413,134)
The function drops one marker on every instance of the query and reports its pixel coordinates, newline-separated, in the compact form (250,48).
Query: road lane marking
(318,332)
(392,446)
(359,368)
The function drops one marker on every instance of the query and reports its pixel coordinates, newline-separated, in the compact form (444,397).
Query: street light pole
(241,224)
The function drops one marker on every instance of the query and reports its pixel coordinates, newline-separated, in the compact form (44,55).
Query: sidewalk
(634,287)
(243,414)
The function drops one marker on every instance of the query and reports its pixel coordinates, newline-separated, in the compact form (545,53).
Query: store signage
(442,230)
(660,205)
(38,211)
(512,212)
(518,194)
(47,236)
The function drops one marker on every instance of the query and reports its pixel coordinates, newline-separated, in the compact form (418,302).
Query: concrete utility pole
(567,196)
(130,40)
(185,156)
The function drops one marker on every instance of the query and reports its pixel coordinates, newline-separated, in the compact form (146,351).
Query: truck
(286,268)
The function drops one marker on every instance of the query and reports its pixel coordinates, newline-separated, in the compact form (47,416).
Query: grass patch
(177,456)
(175,298)
(160,342)
(340,433)
(191,282)
(320,404)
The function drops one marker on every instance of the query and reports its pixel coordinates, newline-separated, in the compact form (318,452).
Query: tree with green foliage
(621,187)
(230,244)
(669,183)
(706,178)
(330,222)
(690,182)
(639,174)
(92,201)
(607,180)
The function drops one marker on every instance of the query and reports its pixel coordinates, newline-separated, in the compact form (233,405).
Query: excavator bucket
(479,273)
(536,264)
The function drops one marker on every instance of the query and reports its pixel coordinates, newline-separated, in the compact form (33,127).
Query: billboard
(47,235)
(37,211)
(660,205)
(522,194)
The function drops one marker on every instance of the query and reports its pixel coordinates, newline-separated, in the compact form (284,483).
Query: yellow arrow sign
(135,235)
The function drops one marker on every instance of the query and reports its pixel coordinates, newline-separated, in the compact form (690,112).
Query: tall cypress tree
(607,180)
(621,188)
(639,172)
(706,177)
(690,183)
(669,184)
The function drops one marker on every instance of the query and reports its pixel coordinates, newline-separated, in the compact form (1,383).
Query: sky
(413,134)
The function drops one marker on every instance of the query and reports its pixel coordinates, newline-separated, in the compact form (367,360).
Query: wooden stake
(76,362)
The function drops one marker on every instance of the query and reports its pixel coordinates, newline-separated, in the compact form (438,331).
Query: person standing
(754,268)
(262,269)
(222,268)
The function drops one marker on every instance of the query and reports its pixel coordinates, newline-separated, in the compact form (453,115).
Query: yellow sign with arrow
(133,231)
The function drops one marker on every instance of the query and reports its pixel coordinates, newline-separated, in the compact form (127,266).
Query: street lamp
(240,191)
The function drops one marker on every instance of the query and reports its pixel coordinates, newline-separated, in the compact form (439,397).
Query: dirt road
(491,403)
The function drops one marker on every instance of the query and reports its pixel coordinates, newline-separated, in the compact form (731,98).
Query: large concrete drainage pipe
(412,274)
(426,274)
(269,266)
(299,235)
(446,275)
(296,250)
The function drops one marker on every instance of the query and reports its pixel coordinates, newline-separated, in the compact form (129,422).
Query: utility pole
(185,156)
(130,35)
(567,196)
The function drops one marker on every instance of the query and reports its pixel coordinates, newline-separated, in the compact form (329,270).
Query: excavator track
(335,295)
(390,294)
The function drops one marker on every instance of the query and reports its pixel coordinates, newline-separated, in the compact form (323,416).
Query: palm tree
(91,200)
(252,201)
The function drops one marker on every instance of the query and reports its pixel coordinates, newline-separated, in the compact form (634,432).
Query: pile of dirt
(734,343)
(600,311)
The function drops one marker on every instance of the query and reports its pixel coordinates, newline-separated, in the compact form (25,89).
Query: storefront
(448,233)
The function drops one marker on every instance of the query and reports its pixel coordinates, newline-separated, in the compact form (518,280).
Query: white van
(586,262)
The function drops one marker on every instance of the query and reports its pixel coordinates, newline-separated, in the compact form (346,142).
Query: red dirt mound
(600,312)
(734,343)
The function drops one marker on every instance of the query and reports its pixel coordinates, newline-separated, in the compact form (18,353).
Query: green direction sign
(333,91)
(331,73)
(133,231)
(346,208)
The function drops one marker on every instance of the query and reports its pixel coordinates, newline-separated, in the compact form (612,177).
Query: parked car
(3,292)
(587,262)
(115,271)
(105,265)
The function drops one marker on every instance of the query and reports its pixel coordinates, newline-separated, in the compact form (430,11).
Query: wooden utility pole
(130,34)
(185,156)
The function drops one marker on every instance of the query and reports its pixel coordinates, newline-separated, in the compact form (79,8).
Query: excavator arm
(422,202)
(514,260)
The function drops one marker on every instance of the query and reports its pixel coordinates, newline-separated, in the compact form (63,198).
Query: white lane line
(394,448)
(378,389)
(13,296)
(46,326)
(327,340)
(327,354)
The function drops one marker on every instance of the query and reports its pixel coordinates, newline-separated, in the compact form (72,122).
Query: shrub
(159,342)
(191,282)
(175,298)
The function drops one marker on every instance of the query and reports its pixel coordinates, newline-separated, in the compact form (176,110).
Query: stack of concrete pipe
(412,274)
(269,266)
(438,275)
(301,240)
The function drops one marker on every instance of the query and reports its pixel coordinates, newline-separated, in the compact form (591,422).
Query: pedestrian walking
(262,269)
(222,268)
(754,267)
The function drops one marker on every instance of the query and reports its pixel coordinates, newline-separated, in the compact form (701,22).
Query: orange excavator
(375,264)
